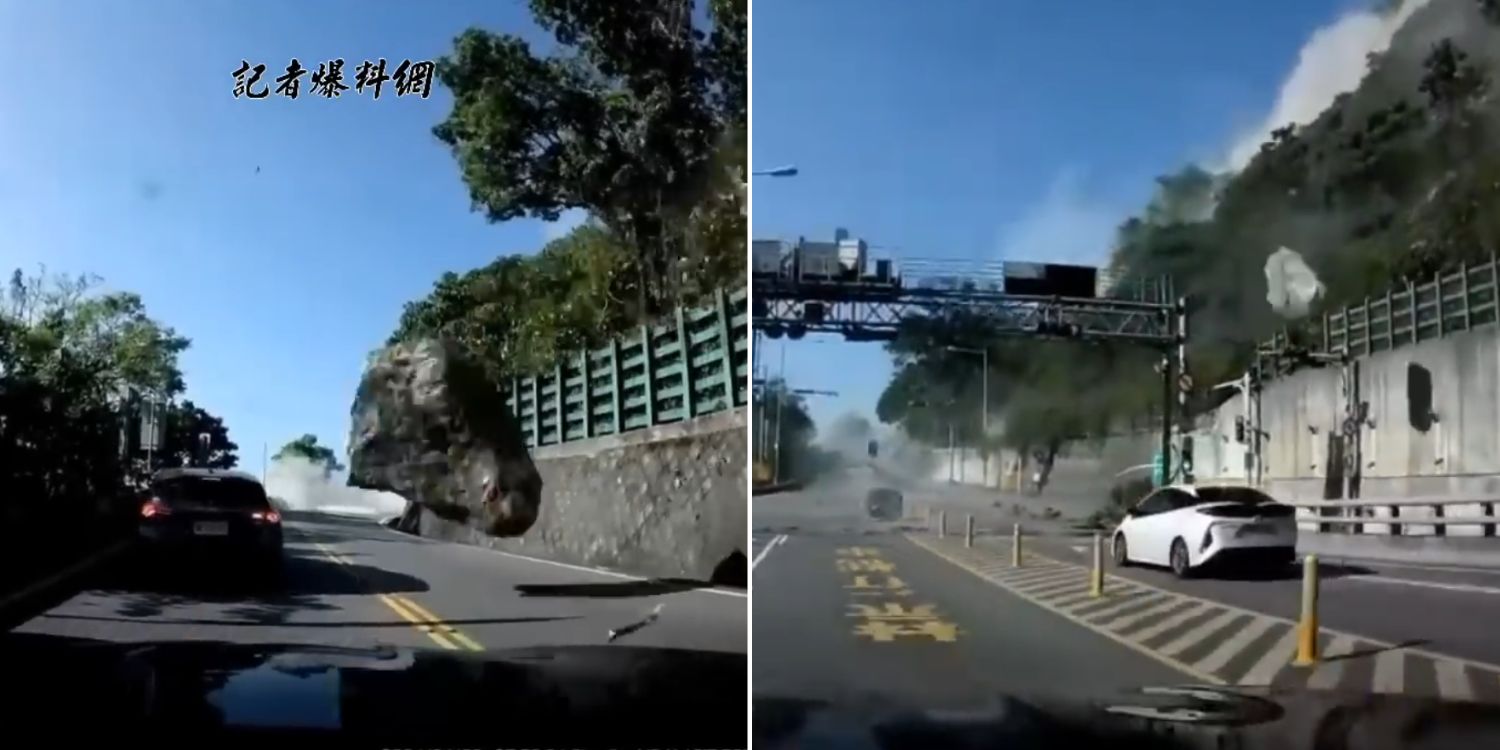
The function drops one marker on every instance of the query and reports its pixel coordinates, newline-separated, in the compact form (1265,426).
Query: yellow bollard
(942,524)
(969,531)
(1015,547)
(1307,627)
(1096,576)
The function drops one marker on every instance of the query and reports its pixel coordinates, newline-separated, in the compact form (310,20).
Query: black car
(884,504)
(211,511)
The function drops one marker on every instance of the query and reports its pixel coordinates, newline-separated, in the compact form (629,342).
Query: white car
(1186,527)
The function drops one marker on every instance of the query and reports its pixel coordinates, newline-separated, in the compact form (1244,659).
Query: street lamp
(984,409)
(787,170)
(984,384)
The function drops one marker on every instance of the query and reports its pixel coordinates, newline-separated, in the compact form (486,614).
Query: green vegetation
(800,459)
(73,363)
(637,117)
(1394,181)
(307,448)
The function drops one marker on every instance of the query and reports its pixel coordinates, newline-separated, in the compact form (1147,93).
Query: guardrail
(1353,516)
(692,366)
(1449,302)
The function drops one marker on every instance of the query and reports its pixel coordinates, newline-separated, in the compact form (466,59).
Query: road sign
(1185,382)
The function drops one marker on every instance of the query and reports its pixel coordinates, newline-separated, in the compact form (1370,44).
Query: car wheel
(1180,564)
(1121,554)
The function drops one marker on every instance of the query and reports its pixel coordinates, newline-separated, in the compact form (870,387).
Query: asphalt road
(1442,609)
(1386,628)
(1446,610)
(849,610)
(350,582)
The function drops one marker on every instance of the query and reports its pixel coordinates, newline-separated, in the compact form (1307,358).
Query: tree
(520,315)
(307,449)
(182,446)
(70,360)
(799,459)
(624,121)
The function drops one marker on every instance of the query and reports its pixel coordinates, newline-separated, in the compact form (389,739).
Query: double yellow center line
(440,632)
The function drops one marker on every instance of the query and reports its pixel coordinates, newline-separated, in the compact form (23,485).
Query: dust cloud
(1331,62)
(305,486)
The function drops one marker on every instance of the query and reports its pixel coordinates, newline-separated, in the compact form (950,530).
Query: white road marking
(1273,660)
(1467,588)
(1147,633)
(1232,645)
(1121,623)
(570,566)
(1453,684)
(1193,635)
(1326,676)
(1390,671)
(778,539)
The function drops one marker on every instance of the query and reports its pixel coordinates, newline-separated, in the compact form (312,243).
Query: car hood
(575,694)
(1178,717)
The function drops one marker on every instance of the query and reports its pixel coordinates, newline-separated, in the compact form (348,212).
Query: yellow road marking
(414,620)
(423,620)
(447,629)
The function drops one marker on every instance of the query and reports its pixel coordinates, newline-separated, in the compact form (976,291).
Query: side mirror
(1131,512)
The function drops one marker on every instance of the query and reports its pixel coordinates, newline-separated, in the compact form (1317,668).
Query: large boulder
(431,427)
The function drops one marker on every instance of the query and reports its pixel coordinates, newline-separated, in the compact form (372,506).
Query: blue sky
(123,154)
(1025,130)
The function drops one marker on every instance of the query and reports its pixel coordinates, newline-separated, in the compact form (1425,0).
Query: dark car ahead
(884,504)
(211,511)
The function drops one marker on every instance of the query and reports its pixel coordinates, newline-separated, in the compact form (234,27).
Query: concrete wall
(665,502)
(1458,456)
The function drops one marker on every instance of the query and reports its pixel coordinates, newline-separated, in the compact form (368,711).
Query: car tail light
(268,516)
(1208,539)
(155,507)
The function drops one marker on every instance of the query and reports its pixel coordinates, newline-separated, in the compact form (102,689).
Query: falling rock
(428,425)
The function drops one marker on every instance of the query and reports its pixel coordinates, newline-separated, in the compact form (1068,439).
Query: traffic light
(1239,429)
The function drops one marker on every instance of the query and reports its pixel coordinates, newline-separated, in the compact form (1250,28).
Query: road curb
(37,588)
(771,489)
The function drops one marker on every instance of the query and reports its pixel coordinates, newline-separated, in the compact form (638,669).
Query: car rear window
(1242,495)
(216,492)
(1250,510)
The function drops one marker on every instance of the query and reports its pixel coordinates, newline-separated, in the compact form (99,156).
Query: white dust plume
(305,486)
(1331,62)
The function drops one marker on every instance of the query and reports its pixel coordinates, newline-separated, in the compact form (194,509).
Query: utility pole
(984,409)
(1185,385)
(776,431)
(950,452)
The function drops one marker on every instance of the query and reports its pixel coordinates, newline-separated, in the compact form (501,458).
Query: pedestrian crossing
(1217,642)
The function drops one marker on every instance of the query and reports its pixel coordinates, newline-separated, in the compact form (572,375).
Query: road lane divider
(436,622)
(421,619)
(425,628)
(1215,642)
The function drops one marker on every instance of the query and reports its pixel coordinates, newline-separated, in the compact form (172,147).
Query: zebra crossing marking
(1213,641)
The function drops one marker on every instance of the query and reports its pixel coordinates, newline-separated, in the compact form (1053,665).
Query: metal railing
(1352,516)
(1448,302)
(692,366)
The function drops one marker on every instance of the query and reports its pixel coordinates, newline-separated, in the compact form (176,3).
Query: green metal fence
(1448,302)
(691,366)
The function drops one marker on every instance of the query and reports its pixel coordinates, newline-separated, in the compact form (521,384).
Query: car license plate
(211,528)
(1256,529)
